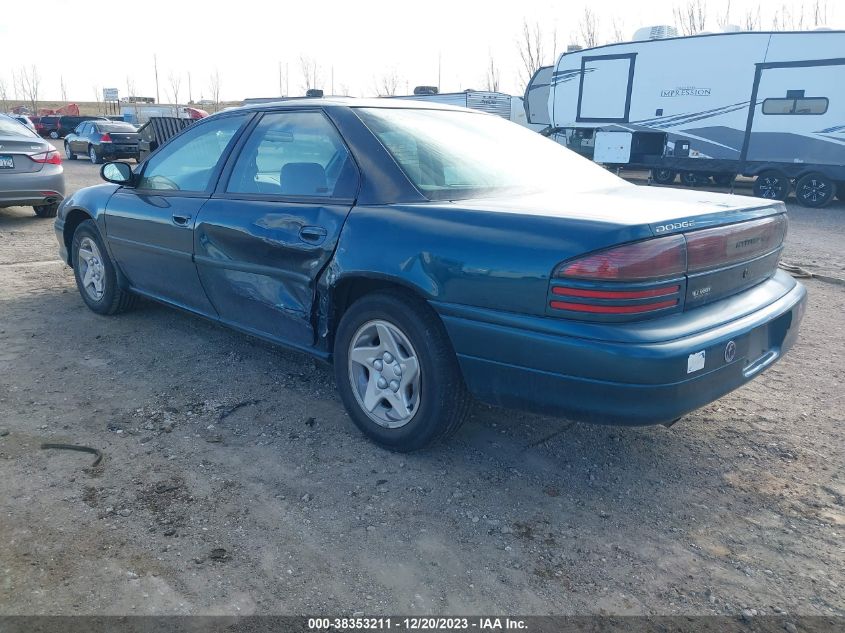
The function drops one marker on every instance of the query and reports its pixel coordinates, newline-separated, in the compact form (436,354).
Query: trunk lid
(19,149)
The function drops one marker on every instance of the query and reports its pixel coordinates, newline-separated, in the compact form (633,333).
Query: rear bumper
(634,382)
(122,151)
(28,189)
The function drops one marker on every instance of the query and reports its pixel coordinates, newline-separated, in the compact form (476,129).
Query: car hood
(633,206)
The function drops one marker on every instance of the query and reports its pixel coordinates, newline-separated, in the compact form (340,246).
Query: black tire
(70,155)
(663,176)
(443,402)
(723,180)
(772,185)
(815,190)
(46,210)
(96,159)
(694,179)
(114,299)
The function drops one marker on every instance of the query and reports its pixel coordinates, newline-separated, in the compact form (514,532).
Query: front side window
(294,154)
(450,155)
(802,105)
(187,163)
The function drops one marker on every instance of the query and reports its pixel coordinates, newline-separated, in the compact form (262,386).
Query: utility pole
(155,68)
(287,80)
(281,94)
(190,96)
(439,55)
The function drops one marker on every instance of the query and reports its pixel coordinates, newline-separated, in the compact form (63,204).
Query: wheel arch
(73,219)
(346,290)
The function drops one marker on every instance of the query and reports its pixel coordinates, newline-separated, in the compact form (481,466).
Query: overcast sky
(355,42)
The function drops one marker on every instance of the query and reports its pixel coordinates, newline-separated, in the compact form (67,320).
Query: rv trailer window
(804,105)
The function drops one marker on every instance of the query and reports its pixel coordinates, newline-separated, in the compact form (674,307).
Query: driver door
(150,227)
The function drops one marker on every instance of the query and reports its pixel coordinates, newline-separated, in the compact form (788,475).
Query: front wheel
(96,278)
(815,190)
(69,153)
(397,373)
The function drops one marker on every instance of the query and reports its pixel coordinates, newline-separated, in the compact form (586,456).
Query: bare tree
(130,93)
(30,83)
(691,17)
(530,51)
(820,12)
(387,84)
(310,73)
(97,95)
(589,28)
(752,19)
(724,19)
(62,88)
(4,96)
(492,78)
(214,89)
(787,19)
(175,82)
(618,27)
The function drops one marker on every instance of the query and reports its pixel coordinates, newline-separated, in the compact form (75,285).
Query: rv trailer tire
(723,180)
(773,185)
(815,190)
(694,179)
(663,176)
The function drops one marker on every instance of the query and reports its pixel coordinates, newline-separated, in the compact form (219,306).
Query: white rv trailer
(770,105)
(498,103)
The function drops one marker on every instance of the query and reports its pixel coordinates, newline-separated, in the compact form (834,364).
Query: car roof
(349,102)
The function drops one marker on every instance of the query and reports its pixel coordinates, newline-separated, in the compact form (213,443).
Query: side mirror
(118,173)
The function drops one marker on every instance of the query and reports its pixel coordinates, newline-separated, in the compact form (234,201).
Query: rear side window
(187,163)
(294,154)
(803,105)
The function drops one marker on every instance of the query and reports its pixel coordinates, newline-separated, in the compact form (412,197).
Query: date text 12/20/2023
(479,623)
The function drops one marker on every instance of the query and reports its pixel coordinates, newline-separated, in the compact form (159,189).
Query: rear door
(798,112)
(605,89)
(150,228)
(263,239)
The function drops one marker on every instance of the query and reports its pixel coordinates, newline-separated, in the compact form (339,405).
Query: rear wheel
(773,185)
(54,134)
(46,210)
(663,176)
(397,373)
(70,155)
(815,190)
(723,180)
(95,274)
(694,179)
(94,156)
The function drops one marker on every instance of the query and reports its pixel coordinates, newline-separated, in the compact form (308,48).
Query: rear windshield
(116,127)
(13,127)
(451,155)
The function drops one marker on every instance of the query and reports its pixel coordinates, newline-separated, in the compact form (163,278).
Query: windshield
(12,127)
(452,155)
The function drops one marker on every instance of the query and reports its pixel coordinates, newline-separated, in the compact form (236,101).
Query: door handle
(312,234)
(181,220)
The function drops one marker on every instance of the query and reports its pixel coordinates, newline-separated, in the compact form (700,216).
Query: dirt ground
(234,483)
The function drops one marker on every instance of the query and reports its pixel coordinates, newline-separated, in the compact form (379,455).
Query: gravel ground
(234,483)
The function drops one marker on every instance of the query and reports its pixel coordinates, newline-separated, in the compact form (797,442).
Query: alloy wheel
(92,270)
(385,373)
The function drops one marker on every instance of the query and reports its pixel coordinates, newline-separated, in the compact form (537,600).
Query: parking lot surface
(234,483)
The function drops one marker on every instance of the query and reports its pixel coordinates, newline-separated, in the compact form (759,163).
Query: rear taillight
(105,138)
(652,259)
(51,157)
(725,245)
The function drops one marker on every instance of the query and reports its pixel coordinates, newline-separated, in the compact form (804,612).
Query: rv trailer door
(795,115)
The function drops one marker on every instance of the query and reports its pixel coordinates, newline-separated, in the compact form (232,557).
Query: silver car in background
(31,173)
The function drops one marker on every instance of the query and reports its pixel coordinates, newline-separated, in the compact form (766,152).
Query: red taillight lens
(105,138)
(652,259)
(52,157)
(725,245)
